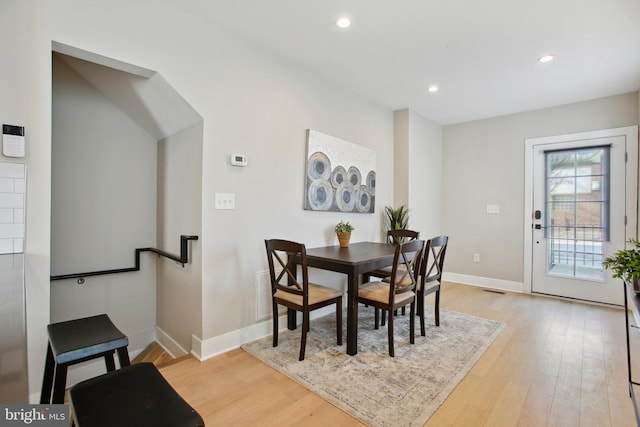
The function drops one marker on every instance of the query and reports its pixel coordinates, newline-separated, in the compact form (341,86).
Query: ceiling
(481,53)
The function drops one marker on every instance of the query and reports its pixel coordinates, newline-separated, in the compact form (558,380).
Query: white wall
(261,105)
(104,173)
(25,99)
(483,163)
(401,160)
(425,170)
(179,213)
(251,101)
(418,170)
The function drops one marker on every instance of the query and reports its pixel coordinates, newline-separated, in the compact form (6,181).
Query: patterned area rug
(379,390)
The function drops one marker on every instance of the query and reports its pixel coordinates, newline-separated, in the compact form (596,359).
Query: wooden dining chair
(431,276)
(399,290)
(299,295)
(393,237)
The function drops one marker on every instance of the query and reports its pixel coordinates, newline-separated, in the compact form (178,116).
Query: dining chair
(295,294)
(393,237)
(399,290)
(431,276)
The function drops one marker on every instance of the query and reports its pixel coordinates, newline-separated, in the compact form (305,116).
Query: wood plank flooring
(557,363)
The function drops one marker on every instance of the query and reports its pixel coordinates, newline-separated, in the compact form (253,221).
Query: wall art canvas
(340,175)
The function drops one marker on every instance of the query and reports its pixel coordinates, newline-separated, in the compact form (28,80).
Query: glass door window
(577,211)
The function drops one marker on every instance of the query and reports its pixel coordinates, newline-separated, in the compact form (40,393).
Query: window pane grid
(577,212)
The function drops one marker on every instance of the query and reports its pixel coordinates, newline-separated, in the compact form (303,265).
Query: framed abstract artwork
(340,175)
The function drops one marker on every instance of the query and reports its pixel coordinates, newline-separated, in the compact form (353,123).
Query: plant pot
(344,238)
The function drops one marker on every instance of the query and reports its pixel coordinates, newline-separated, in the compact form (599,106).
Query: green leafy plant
(625,264)
(344,227)
(396,219)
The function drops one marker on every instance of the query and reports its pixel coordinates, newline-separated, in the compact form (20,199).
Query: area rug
(374,388)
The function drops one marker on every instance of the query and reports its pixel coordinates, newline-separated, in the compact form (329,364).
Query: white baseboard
(205,349)
(484,282)
(170,345)
(210,347)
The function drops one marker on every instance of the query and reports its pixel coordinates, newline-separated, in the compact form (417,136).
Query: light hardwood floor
(557,363)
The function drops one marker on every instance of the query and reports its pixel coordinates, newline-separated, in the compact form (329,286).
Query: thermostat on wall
(13,141)
(239,160)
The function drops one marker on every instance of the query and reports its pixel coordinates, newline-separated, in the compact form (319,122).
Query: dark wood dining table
(355,260)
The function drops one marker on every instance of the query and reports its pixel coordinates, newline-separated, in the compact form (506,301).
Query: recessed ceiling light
(343,22)
(433,88)
(546,58)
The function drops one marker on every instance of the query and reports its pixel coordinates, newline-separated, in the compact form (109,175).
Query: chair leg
(47,380)
(390,334)
(305,329)
(383,319)
(437,307)
(275,324)
(412,323)
(339,320)
(420,297)
(376,317)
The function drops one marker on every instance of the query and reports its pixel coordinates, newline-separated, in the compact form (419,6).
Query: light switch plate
(225,201)
(493,209)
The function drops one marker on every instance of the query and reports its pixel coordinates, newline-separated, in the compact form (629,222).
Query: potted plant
(343,231)
(396,218)
(625,264)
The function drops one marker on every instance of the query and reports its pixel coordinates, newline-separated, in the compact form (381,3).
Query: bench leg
(47,380)
(59,383)
(123,357)
(109,362)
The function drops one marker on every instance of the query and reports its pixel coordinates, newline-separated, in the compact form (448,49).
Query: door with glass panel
(580,217)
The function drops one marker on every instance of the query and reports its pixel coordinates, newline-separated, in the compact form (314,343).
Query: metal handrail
(183,259)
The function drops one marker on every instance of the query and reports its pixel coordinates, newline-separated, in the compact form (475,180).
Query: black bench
(76,341)
(135,396)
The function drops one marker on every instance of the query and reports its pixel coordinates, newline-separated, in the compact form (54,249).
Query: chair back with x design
(431,276)
(283,257)
(280,256)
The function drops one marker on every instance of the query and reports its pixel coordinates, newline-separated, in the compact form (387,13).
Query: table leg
(352,314)
(291,319)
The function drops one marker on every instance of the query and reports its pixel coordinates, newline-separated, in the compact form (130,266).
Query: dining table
(355,261)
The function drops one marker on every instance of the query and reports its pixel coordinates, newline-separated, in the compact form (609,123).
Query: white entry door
(583,209)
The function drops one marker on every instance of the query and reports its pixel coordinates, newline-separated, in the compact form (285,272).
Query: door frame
(631,194)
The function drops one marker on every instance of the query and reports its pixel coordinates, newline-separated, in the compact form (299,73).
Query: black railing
(183,259)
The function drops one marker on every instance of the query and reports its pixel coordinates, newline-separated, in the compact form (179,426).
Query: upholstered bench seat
(134,396)
(76,341)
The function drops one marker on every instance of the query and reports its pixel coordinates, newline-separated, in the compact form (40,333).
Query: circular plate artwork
(340,175)
(345,197)
(318,166)
(371,183)
(363,199)
(320,195)
(354,176)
